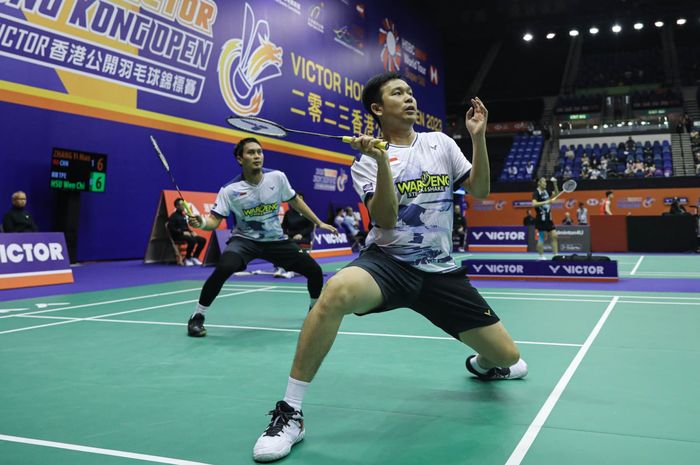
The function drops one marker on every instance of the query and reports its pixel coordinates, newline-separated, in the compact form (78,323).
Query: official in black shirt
(542,202)
(17,219)
(180,231)
(297,227)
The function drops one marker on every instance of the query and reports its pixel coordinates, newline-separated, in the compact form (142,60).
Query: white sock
(200,309)
(478,368)
(295,392)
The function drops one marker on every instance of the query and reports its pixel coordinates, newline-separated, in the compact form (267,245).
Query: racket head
(257,126)
(569,185)
(160,154)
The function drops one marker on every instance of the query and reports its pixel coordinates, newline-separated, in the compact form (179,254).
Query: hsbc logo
(433,75)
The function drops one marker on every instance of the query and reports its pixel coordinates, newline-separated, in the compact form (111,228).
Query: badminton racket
(569,186)
(172,178)
(268,128)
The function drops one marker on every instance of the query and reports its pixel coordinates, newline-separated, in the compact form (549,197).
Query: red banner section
(508,208)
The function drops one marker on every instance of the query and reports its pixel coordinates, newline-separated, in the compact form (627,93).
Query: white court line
(675,274)
(97,450)
(73,320)
(639,262)
(106,302)
(534,429)
(285,330)
(493,293)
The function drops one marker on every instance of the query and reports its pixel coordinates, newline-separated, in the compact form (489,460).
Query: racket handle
(380,145)
(187,207)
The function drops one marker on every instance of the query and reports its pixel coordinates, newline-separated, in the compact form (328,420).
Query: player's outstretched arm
(299,205)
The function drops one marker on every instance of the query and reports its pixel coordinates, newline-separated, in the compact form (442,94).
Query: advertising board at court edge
(299,63)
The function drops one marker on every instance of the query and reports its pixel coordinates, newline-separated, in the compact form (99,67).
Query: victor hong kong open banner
(33,259)
(542,270)
(497,239)
(170,63)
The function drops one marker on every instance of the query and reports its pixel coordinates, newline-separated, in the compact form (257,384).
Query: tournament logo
(245,63)
(341,180)
(391,47)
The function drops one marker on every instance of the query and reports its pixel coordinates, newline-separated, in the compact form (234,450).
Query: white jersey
(255,207)
(425,175)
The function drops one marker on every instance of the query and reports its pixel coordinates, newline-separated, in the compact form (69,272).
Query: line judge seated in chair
(180,231)
(297,227)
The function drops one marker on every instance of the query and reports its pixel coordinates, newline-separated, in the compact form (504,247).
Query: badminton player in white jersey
(408,190)
(254,198)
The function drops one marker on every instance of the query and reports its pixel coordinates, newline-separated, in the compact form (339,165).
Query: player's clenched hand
(328,227)
(367,146)
(195,221)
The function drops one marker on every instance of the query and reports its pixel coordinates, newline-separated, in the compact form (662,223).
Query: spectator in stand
(352,225)
(459,231)
(688,123)
(567,172)
(638,167)
(569,154)
(629,169)
(513,171)
(529,169)
(585,161)
(296,226)
(630,144)
(582,214)
(567,219)
(594,174)
(649,170)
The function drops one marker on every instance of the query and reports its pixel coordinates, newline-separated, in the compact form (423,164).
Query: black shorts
(545,226)
(283,253)
(448,300)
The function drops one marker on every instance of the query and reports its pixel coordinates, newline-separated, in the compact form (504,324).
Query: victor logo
(427,183)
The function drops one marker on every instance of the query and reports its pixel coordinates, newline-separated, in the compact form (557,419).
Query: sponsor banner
(508,208)
(498,238)
(33,259)
(541,270)
(327,244)
(572,239)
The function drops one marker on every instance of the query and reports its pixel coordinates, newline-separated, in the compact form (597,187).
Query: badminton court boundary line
(639,262)
(517,456)
(97,450)
(74,320)
(282,330)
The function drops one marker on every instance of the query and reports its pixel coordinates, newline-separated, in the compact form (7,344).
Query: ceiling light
(527,37)
(638,26)
(616,28)
(680,21)
(573,33)
(659,24)
(594,30)
(551,35)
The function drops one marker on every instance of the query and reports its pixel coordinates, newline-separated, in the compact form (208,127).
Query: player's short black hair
(177,200)
(238,150)
(607,193)
(372,92)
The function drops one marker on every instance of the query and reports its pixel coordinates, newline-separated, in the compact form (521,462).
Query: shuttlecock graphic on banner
(391,46)
(246,63)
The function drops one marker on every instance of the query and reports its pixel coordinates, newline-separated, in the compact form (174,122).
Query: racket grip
(380,145)
(187,208)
